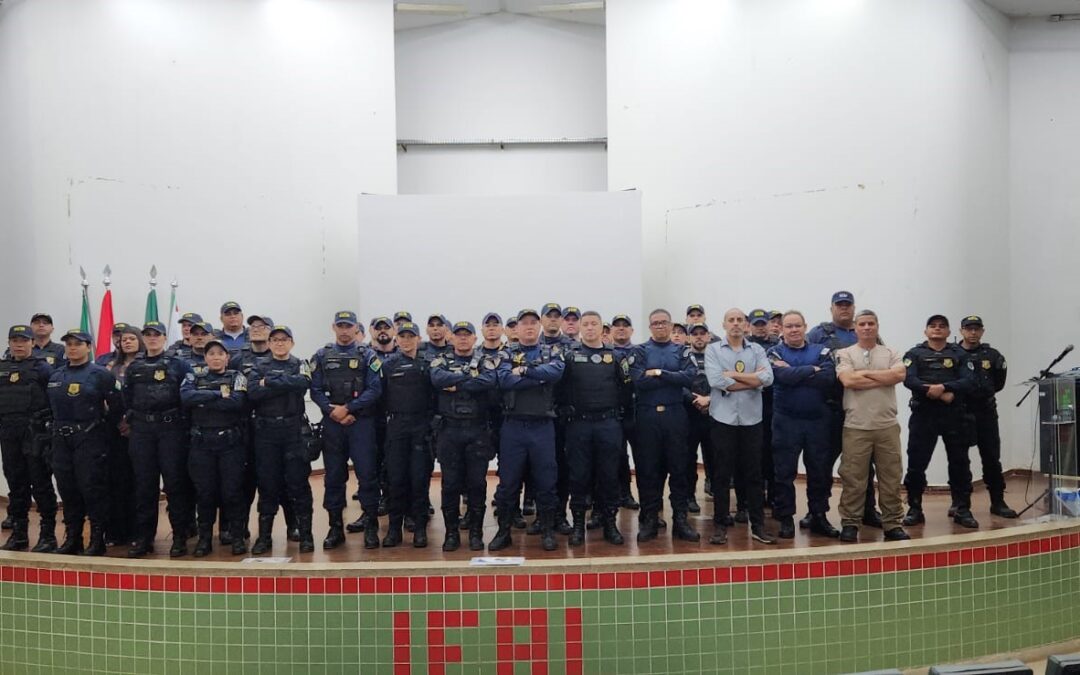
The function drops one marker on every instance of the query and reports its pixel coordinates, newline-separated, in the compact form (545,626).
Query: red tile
(832,567)
(1045,545)
(723,575)
(506,667)
(770,572)
(452,654)
(539,616)
(187,584)
(71,578)
(706,575)
(903,563)
(624,580)
(540,666)
(522,652)
(401,654)
(333,585)
(738,574)
(521,582)
(453,619)
(384,584)
(351,585)
(436,584)
(888,564)
(1013,550)
(800,570)
(453,584)
(32,575)
(402,667)
(267,584)
(282,585)
(316,585)
(487,583)
(538,582)
(233,584)
(572,582)
(471,584)
(555,582)
(400,584)
(753,573)
(504,635)
(861,566)
(673,578)
(503,582)
(172,583)
(607,580)
(589,581)
(965,556)
(157,582)
(19,574)
(817,569)
(538,653)
(954,558)
(978,555)
(573,616)
(573,650)
(436,654)
(505,653)
(656,579)
(299,585)
(7,573)
(127,582)
(845,568)
(574,666)
(539,632)
(874,565)
(84,579)
(573,634)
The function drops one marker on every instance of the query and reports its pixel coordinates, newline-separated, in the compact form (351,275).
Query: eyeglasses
(658,324)
(866,356)
(279,340)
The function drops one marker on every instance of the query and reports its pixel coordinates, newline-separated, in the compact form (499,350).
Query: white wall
(803,147)
(1044,204)
(496,77)
(224,141)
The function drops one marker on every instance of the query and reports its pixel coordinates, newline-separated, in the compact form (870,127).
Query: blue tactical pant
(592,454)
(355,442)
(159,451)
(282,467)
(791,437)
(527,444)
(662,455)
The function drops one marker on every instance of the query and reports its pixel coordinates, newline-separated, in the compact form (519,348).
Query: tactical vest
(75,398)
(462,405)
(22,389)
(535,401)
(700,386)
(154,386)
(592,380)
(938,367)
(285,404)
(207,417)
(408,390)
(343,375)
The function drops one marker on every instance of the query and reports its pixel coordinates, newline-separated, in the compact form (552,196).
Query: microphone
(1065,351)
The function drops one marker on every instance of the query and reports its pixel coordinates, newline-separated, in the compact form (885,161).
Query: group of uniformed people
(556,395)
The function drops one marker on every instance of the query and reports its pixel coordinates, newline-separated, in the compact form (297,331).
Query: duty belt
(594,416)
(464,421)
(76,428)
(277,420)
(166,416)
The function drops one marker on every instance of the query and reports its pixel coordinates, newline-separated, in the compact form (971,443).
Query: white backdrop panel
(465,255)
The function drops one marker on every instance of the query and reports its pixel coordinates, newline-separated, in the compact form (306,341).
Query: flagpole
(172,309)
(86,303)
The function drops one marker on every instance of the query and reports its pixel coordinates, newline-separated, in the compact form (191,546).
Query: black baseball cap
(402,316)
(41,315)
(20,331)
(937,317)
(155,326)
(571,311)
(118,327)
(77,334)
(281,329)
(345,316)
(466,326)
(215,343)
(695,326)
(842,296)
(549,308)
(230,305)
(971,320)
(410,328)
(193,318)
(758,315)
(382,319)
(621,317)
(492,315)
(440,317)
(695,308)
(527,312)
(260,317)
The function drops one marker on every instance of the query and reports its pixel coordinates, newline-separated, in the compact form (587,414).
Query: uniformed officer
(407,397)
(940,377)
(182,347)
(463,381)
(990,374)
(200,334)
(346,386)
(215,402)
(243,362)
(803,375)
(571,323)
(622,332)
(660,370)
(401,317)
(836,335)
(678,333)
(79,394)
(382,343)
(527,379)
(233,334)
(44,348)
(24,441)
(437,343)
(695,314)
(699,424)
(158,442)
(120,525)
(511,330)
(276,388)
(759,334)
(551,321)
(593,380)
(117,331)
(775,327)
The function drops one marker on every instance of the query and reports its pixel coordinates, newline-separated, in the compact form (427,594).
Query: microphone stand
(1043,374)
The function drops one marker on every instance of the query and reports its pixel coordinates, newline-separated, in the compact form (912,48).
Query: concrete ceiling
(405,20)
(1019,8)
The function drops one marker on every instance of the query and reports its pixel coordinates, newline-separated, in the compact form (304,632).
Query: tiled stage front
(826,610)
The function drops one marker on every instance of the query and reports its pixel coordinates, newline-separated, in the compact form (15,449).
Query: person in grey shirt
(737,370)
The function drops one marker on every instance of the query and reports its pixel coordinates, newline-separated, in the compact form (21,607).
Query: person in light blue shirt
(737,370)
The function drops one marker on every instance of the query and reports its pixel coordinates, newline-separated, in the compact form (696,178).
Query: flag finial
(153,275)
(108,273)
(82,272)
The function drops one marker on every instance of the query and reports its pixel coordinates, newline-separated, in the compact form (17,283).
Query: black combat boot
(596,519)
(357,525)
(307,539)
(611,531)
(264,542)
(371,532)
(393,532)
(998,507)
(73,543)
(547,531)
(8,523)
(46,542)
(577,536)
(20,537)
(419,533)
(292,523)
(647,526)
(502,538)
(819,524)
(205,545)
(179,545)
(476,532)
(962,516)
(562,525)
(914,513)
(239,538)
(682,529)
(141,547)
(336,535)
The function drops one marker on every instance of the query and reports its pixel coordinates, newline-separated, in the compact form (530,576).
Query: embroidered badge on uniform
(375,365)
(947,363)
(907,362)
(608,358)
(14,377)
(159,375)
(354,363)
(740,366)
(73,389)
(986,364)
(595,358)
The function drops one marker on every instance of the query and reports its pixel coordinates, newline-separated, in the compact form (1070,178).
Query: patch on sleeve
(907,362)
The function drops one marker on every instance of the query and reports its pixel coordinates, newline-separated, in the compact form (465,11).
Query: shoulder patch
(438,362)
(376,364)
(240,383)
(907,362)
(189,377)
(305,369)
(825,351)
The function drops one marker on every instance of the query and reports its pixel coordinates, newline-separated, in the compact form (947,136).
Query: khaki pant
(883,445)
